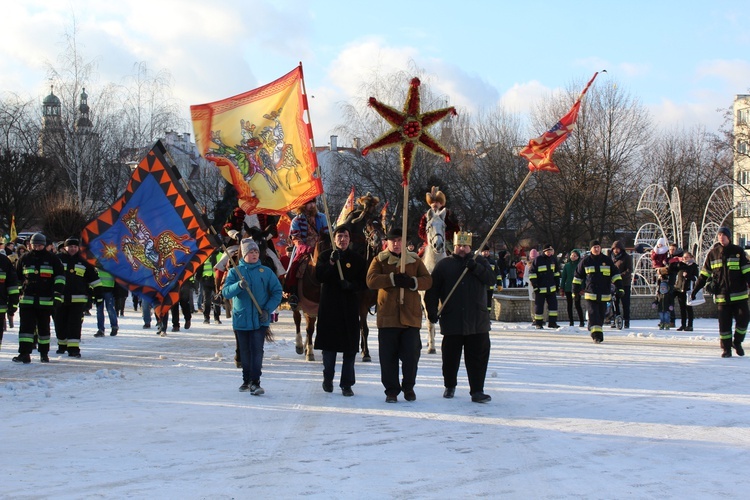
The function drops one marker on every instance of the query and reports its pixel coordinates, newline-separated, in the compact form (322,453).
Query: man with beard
(306,230)
(464,322)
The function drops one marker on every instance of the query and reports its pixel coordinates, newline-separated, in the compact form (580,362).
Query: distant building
(741,232)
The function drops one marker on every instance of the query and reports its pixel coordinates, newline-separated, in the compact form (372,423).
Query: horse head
(436,230)
(374,234)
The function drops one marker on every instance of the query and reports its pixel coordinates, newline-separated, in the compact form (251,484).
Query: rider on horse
(357,219)
(436,200)
(307,229)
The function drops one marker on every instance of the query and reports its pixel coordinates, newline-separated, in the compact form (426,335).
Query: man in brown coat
(398,323)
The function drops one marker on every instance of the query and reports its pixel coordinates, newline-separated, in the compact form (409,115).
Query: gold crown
(462,238)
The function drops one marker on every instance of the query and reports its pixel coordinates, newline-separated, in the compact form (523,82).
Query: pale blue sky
(682,59)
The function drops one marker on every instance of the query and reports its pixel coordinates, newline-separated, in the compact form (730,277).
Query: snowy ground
(646,414)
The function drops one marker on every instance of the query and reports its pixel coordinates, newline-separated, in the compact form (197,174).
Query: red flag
(384,214)
(539,151)
(262,145)
(346,209)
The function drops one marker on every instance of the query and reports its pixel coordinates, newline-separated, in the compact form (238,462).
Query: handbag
(698,300)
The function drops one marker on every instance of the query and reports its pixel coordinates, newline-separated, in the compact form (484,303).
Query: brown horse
(308,291)
(374,236)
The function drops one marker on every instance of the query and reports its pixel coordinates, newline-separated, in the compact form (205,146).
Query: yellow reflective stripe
(577,281)
(541,269)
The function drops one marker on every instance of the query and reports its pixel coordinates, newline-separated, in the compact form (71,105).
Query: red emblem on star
(409,129)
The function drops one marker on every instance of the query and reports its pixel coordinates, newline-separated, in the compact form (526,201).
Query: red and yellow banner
(262,145)
(539,151)
(346,209)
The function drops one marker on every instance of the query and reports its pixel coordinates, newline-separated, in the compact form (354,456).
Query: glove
(244,285)
(433,318)
(692,296)
(471,264)
(403,280)
(347,285)
(264,316)
(335,255)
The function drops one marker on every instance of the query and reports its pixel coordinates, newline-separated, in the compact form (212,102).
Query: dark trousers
(251,351)
(686,311)
(476,349)
(208,302)
(399,344)
(737,311)
(490,293)
(2,326)
(33,319)
(539,300)
(570,301)
(187,311)
(597,310)
(624,305)
(68,321)
(347,367)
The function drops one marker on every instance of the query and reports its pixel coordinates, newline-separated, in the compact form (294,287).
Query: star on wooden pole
(410,132)
(409,129)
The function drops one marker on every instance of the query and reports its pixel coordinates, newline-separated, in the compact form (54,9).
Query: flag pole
(404,221)
(487,238)
(318,172)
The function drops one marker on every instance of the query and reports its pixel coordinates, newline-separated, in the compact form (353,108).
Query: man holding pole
(465,321)
(398,320)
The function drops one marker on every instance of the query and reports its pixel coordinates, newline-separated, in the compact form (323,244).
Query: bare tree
(601,169)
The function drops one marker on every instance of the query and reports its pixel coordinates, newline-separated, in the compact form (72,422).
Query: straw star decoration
(409,129)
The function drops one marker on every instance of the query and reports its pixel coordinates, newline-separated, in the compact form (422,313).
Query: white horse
(434,252)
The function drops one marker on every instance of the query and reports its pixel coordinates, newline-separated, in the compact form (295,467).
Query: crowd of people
(47,284)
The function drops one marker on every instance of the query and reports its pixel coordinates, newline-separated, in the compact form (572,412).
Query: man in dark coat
(465,320)
(544,276)
(594,277)
(82,283)
(727,268)
(338,311)
(623,261)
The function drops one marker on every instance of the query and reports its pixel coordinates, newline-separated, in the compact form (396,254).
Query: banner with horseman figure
(262,145)
(153,238)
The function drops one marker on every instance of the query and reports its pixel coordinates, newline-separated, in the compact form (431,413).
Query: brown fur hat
(435,195)
(368,200)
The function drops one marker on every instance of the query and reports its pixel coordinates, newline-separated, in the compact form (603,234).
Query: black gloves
(471,264)
(335,255)
(347,285)
(402,280)
(264,316)
(433,318)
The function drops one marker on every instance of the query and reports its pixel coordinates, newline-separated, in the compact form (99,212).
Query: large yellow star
(409,129)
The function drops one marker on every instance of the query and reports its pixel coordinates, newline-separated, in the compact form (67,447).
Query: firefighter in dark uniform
(728,270)
(544,275)
(8,291)
(595,275)
(42,281)
(81,282)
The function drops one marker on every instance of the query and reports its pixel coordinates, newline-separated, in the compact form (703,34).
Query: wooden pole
(404,221)
(318,173)
(487,238)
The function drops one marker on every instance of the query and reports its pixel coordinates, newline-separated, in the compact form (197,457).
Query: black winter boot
(726,346)
(738,339)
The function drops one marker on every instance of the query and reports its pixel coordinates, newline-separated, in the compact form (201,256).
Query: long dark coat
(466,311)
(338,311)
